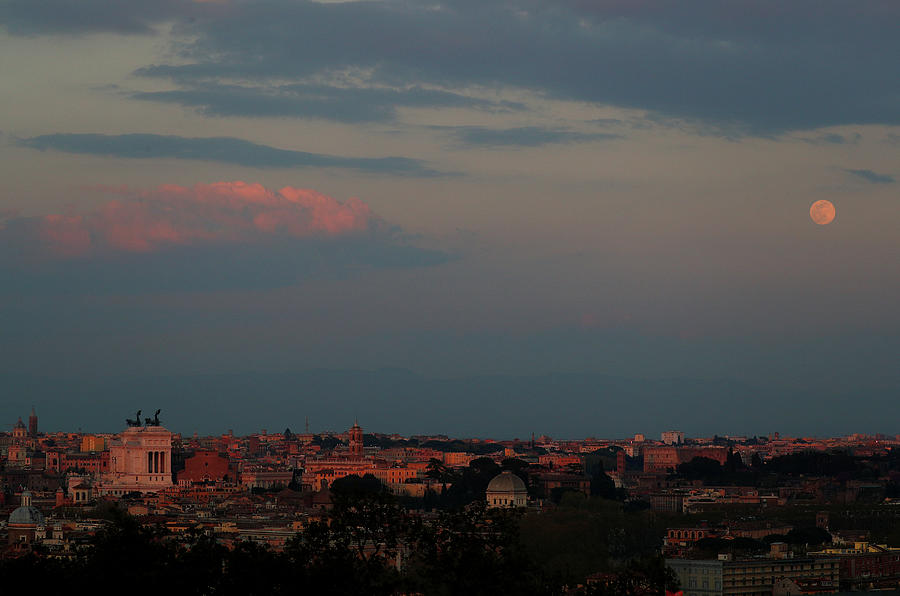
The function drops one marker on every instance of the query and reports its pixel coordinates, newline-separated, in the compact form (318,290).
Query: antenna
(307,425)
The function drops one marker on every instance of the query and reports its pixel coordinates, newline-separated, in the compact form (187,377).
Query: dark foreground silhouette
(368,545)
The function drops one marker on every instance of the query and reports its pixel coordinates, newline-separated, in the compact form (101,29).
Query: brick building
(205,466)
(666,459)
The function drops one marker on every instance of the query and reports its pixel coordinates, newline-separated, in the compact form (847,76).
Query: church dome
(506,490)
(506,482)
(25,515)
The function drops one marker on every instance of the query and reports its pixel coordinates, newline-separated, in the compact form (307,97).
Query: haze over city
(469,218)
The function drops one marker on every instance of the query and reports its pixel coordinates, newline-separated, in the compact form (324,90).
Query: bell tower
(32,424)
(356,440)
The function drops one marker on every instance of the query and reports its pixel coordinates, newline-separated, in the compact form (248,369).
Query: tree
(700,468)
(557,493)
(470,485)
(810,536)
(356,550)
(470,552)
(733,462)
(368,515)
(637,577)
(436,470)
(326,443)
(603,486)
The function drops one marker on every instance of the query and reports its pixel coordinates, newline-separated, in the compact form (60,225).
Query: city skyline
(307,428)
(625,517)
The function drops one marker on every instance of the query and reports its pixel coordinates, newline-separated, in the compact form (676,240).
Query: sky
(473,217)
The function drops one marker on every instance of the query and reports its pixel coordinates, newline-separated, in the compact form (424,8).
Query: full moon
(822,212)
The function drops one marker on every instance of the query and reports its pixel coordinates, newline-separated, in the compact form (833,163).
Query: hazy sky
(577,217)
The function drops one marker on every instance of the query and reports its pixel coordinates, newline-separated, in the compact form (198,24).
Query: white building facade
(140,460)
(673,437)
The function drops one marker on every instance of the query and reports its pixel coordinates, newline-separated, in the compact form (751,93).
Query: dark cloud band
(870,176)
(221,149)
(524,136)
(759,67)
(325,102)
(744,67)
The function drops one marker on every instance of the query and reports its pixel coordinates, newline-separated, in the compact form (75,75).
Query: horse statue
(153,421)
(136,421)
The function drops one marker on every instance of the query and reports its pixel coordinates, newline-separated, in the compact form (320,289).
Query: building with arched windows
(140,460)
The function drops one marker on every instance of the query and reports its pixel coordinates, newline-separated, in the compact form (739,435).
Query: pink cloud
(170,215)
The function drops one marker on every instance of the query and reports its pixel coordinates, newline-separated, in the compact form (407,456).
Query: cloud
(870,176)
(755,67)
(606,122)
(167,216)
(220,149)
(833,139)
(317,101)
(226,234)
(526,136)
(24,17)
(762,67)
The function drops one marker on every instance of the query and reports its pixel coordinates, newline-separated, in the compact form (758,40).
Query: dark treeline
(478,448)
(802,539)
(369,544)
(837,464)
(461,486)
